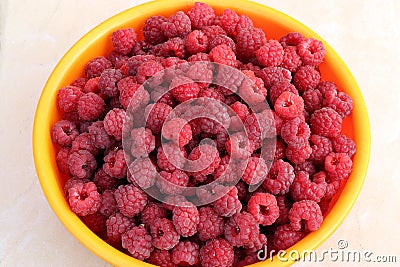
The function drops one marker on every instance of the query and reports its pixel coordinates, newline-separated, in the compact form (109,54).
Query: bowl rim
(100,248)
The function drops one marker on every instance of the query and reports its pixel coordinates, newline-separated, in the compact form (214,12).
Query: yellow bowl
(97,42)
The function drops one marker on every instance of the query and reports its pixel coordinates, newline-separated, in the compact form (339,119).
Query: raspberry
(264,208)
(186,220)
(338,165)
(240,109)
(217,252)
(270,54)
(62,159)
(326,122)
(116,57)
(202,73)
(138,242)
(84,142)
(118,224)
(291,60)
(183,88)
(177,130)
(222,39)
(280,177)
(327,89)
(142,142)
(142,172)
(147,70)
(123,40)
(96,66)
(163,233)
(98,135)
(331,189)
(84,199)
(307,166)
(92,85)
(272,75)
(311,51)
(343,144)
(104,181)
(306,211)
(172,183)
(321,147)
(252,89)
(312,100)
(201,15)
(161,258)
(212,93)
(196,42)
(295,132)
(298,155)
(213,31)
(211,225)
(152,30)
(248,41)
(132,95)
(186,253)
(228,204)
(342,103)
(244,23)
(108,82)
(64,133)
(254,132)
(115,164)
(203,160)
(306,78)
(241,229)
(135,61)
(223,54)
(114,121)
(90,106)
(68,98)
(130,200)
(96,222)
(291,39)
(81,164)
(173,157)
(278,88)
(79,82)
(229,81)
(228,21)
(157,113)
(305,189)
(285,237)
(108,203)
(273,149)
(152,212)
(259,243)
(284,206)
(177,25)
(73,182)
(159,94)
(256,171)
(289,105)
(174,47)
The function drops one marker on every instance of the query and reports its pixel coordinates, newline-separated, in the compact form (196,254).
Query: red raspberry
(160,94)
(68,98)
(259,243)
(289,105)
(186,253)
(338,166)
(280,177)
(211,92)
(326,122)
(172,183)
(203,160)
(298,155)
(291,39)
(177,130)
(238,146)
(306,211)
(177,25)
(222,39)
(305,189)
(228,21)
(307,166)
(312,100)
(201,15)
(331,189)
(147,70)
(96,66)
(108,82)
(272,75)
(248,41)
(115,164)
(228,80)
(118,224)
(284,206)
(84,199)
(256,171)
(133,96)
(327,89)
(152,30)
(278,88)
(228,204)
(114,121)
(240,109)
(64,133)
(96,222)
(186,220)
(62,159)
(79,82)
(223,54)
(135,61)
(252,89)
(157,113)
(270,54)
(306,78)
(71,182)
(217,252)
(241,229)
(321,147)
(343,144)
(92,85)
(211,225)
(291,60)
(295,132)
(285,237)
(142,142)
(196,42)
(108,203)
(138,242)
(116,57)
(152,212)
(104,181)
(244,23)
(84,142)
(98,135)
(273,149)
(254,132)
(90,106)
(174,47)
(161,258)
(130,200)
(264,208)
(342,103)
(311,51)
(173,157)
(213,31)
(183,88)
(123,40)
(82,164)
(163,233)
(142,172)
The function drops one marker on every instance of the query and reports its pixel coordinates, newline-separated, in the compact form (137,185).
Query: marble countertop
(35,34)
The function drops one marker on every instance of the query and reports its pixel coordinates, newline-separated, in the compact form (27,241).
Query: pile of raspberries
(285,187)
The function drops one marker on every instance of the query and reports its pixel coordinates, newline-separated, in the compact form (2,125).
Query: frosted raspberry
(186,253)
(130,200)
(108,82)
(115,164)
(170,157)
(96,222)
(321,147)
(252,89)
(92,85)
(327,89)
(68,98)
(123,40)
(96,66)
(151,212)
(291,60)
(338,165)
(177,130)
(343,144)
(311,51)
(278,88)
(99,136)
(183,88)
(280,177)
(90,106)
(305,189)
(142,142)
(177,25)
(222,39)
(196,42)
(104,181)
(161,258)
(62,159)
(172,183)
(201,15)
(326,122)
(291,39)
(116,58)
(160,94)
(289,105)
(211,225)
(312,100)
(138,242)
(255,172)
(342,103)
(306,211)
(163,233)
(82,164)
(157,113)
(264,208)
(295,132)
(229,80)
(241,229)
(248,41)
(84,199)
(223,54)
(300,154)
(240,109)
(108,203)
(272,75)
(114,121)
(64,133)
(306,78)
(270,54)
(228,21)
(228,204)
(84,142)
(152,30)
(217,252)
(204,159)
(117,224)
(285,237)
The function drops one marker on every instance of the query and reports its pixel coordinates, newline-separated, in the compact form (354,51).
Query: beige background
(35,34)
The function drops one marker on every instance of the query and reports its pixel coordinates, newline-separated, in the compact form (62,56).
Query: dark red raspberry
(177,25)
(130,200)
(196,42)
(96,66)
(163,233)
(73,182)
(132,95)
(298,155)
(115,164)
(161,258)
(285,237)
(201,15)
(289,105)
(291,60)
(242,190)
(270,54)
(108,82)
(295,132)
(142,172)
(342,103)
(278,88)
(327,89)
(68,98)
(135,61)
(64,133)
(331,189)
(84,199)
(186,253)
(211,92)
(255,172)
(152,212)
(338,166)
(343,144)
(172,183)
(259,243)
(177,130)
(241,229)
(211,225)
(117,224)
(138,242)
(157,113)
(228,21)
(305,211)
(183,88)
(147,70)
(62,159)
(186,220)
(92,85)
(248,41)
(264,208)
(99,136)
(306,78)
(321,147)
(217,252)
(280,177)
(284,206)
(291,39)
(160,94)
(240,109)
(244,23)
(97,223)
(311,51)
(228,204)
(114,103)
(312,100)
(90,106)
(84,142)
(307,166)
(303,188)
(213,31)
(174,47)
(152,30)
(223,54)
(326,122)
(108,203)
(114,121)
(79,82)
(123,40)
(82,164)
(222,39)
(117,58)
(142,142)
(104,181)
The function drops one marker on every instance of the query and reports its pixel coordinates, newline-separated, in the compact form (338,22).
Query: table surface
(35,34)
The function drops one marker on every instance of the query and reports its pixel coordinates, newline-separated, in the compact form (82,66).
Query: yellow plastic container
(97,42)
